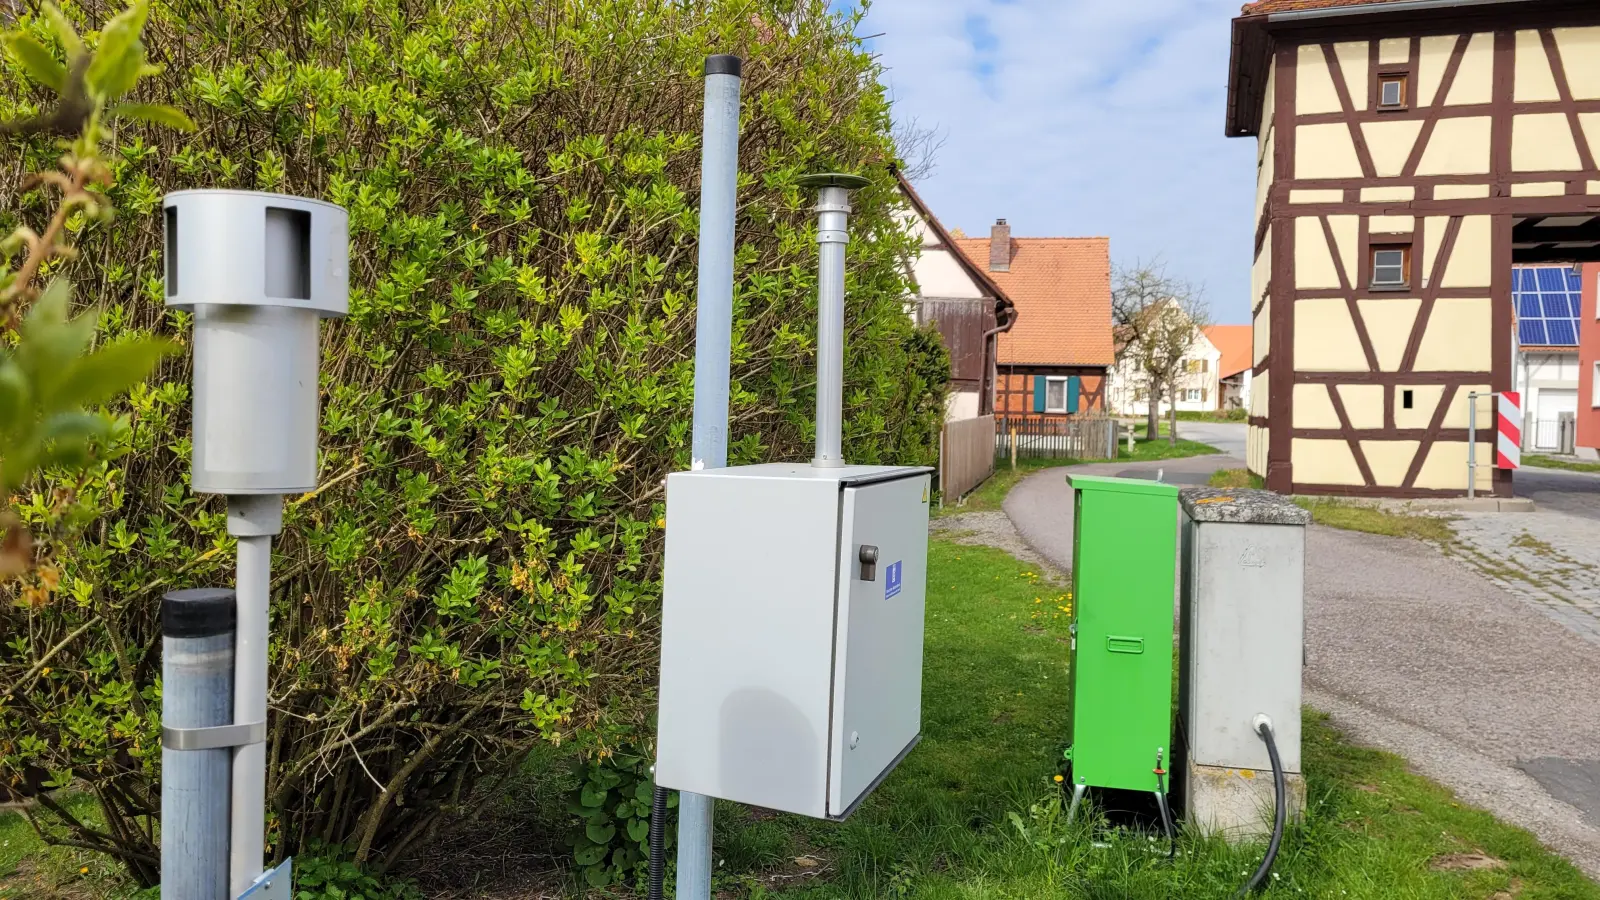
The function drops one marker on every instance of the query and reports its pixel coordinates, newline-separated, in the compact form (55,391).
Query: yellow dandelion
(83,871)
(1059,779)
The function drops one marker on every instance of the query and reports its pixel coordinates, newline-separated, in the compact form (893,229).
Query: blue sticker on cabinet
(891,581)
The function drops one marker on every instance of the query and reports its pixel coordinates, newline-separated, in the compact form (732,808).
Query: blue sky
(1082,117)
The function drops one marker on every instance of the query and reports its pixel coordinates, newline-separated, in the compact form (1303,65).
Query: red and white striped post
(1508,434)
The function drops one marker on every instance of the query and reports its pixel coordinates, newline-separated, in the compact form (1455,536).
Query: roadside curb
(1442,505)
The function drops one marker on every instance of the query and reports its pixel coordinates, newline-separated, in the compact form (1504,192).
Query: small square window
(1407,399)
(1392,92)
(1391,267)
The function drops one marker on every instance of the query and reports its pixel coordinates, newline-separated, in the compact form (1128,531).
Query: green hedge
(479,571)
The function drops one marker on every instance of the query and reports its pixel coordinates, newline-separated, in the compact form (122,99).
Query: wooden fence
(1056,437)
(966,456)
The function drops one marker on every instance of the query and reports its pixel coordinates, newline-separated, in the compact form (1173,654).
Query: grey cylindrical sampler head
(258,271)
(198,612)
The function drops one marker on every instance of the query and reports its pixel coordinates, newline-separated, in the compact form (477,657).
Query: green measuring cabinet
(1124,554)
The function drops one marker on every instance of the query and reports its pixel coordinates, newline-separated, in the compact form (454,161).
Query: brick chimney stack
(1000,246)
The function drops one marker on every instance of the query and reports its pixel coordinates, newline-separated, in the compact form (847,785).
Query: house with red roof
(1054,360)
(1233,344)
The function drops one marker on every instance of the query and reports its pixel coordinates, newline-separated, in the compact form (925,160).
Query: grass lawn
(1550,462)
(1236,478)
(973,811)
(1359,517)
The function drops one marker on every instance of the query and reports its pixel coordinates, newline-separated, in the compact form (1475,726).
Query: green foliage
(47,381)
(479,571)
(611,842)
(327,873)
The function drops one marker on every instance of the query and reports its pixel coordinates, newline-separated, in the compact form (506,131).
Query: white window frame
(1051,380)
(1193,395)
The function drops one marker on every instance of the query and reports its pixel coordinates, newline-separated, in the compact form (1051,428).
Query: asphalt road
(1414,652)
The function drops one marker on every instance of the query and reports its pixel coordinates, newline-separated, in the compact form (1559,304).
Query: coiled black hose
(1280,790)
(658,841)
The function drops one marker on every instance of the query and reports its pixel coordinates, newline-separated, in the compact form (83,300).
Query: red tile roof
(1062,291)
(1267,7)
(1236,342)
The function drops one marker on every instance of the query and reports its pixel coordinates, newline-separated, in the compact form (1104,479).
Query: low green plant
(1236,478)
(611,843)
(326,872)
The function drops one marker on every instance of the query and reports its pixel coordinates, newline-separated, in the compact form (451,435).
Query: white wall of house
(938,276)
(1549,385)
(1197,388)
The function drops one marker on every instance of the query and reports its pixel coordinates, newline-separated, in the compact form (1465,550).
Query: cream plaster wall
(1394,50)
(1580,57)
(1397,193)
(1261,332)
(1457,147)
(1259,394)
(1542,142)
(1326,151)
(1539,189)
(1424,402)
(1458,415)
(1314,90)
(1363,403)
(1591,129)
(1472,260)
(1534,81)
(1446,467)
(1266,173)
(1347,238)
(1353,59)
(1392,224)
(1433,230)
(1313,264)
(1325,338)
(1460,191)
(1435,57)
(1389,461)
(1389,324)
(1458,337)
(1390,144)
(1474,82)
(939,275)
(1256,449)
(1302,195)
(1324,462)
(1313,408)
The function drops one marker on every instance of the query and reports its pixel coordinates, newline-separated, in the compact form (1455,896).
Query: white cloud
(1082,117)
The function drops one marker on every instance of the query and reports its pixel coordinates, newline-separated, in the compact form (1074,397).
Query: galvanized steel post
(833,233)
(197,628)
(719,182)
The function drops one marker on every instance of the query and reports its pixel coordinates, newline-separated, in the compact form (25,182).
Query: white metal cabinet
(777,656)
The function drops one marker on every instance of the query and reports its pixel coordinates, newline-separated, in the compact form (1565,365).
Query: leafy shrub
(611,842)
(479,570)
(327,873)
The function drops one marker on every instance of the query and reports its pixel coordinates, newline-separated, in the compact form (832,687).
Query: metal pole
(1472,445)
(833,213)
(254,520)
(719,171)
(719,176)
(197,629)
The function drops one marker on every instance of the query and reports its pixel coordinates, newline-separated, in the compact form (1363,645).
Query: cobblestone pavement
(1550,557)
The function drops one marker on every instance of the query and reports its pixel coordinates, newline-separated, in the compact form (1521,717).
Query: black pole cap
(724,64)
(198,612)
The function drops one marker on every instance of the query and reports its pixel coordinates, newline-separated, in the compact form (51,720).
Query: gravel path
(1413,652)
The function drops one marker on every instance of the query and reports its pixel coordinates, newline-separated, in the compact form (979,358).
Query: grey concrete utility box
(791,671)
(1241,654)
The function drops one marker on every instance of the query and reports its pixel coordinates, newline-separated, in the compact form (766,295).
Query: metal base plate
(276,883)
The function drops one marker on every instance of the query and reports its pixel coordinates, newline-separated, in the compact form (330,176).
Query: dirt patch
(1465,862)
(994,529)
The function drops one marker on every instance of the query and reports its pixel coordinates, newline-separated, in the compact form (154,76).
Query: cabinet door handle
(869,562)
(1117,644)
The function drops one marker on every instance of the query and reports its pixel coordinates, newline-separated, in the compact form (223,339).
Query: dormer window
(1392,91)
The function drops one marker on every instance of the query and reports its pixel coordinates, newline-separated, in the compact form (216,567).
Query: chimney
(1000,246)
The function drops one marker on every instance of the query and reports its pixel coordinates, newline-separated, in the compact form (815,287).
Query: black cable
(1280,810)
(658,834)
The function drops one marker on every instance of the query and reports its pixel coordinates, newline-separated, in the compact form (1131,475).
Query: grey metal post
(254,520)
(833,233)
(196,692)
(719,179)
(1472,445)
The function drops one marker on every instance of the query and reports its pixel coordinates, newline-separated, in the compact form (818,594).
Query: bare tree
(1157,318)
(918,146)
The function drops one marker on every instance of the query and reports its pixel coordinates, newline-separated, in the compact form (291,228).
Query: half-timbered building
(1410,152)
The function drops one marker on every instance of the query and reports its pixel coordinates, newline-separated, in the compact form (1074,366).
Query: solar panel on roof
(1548,300)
